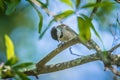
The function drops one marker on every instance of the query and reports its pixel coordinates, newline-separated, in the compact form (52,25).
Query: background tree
(27,48)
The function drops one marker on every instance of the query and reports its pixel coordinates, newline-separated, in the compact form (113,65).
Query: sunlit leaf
(9,47)
(78,3)
(47,27)
(68,2)
(11,57)
(11,6)
(63,15)
(101,4)
(24,67)
(20,76)
(84,29)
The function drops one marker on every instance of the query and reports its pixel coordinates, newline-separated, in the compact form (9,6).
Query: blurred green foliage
(8,6)
(17,18)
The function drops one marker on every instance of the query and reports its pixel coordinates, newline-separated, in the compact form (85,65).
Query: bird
(63,33)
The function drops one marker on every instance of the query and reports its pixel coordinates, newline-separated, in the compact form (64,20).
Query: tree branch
(57,51)
(115,59)
(68,64)
(39,5)
(96,47)
(64,65)
(114,70)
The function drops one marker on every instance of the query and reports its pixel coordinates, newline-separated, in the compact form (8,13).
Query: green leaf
(12,61)
(101,4)
(11,6)
(84,29)
(92,26)
(63,15)
(24,67)
(39,14)
(41,21)
(91,5)
(9,48)
(96,33)
(68,2)
(11,57)
(20,76)
(47,27)
(78,3)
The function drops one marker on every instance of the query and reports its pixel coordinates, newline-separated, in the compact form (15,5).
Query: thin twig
(118,19)
(71,52)
(39,5)
(95,46)
(115,47)
(94,10)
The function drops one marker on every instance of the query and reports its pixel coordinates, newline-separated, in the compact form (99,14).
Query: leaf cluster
(11,66)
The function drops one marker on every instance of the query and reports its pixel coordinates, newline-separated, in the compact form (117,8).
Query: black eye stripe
(61,34)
